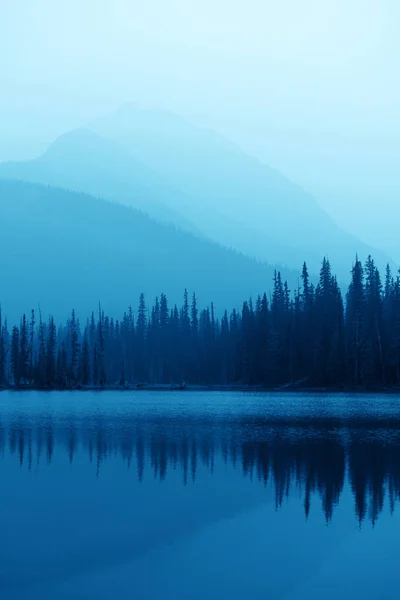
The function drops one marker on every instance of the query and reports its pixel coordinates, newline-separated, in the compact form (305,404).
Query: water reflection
(306,461)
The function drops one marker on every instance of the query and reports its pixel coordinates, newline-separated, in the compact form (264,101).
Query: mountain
(197,180)
(84,161)
(66,250)
(232,196)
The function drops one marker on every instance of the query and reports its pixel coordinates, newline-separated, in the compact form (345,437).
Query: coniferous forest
(314,336)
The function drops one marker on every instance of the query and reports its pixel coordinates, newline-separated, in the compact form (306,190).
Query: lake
(193,495)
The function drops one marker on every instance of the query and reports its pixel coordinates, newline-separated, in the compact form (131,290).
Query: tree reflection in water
(312,458)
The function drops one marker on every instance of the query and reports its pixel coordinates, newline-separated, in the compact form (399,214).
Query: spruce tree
(15,357)
(85,362)
(75,346)
(51,354)
(2,353)
(24,350)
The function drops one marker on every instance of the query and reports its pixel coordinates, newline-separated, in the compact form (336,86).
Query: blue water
(188,495)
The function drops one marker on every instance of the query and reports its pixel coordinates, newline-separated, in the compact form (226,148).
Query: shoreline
(208,388)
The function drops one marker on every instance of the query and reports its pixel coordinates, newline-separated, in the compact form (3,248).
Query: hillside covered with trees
(65,249)
(313,336)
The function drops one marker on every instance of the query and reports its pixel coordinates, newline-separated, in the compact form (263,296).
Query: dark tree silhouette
(310,337)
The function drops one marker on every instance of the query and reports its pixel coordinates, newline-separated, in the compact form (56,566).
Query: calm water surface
(199,495)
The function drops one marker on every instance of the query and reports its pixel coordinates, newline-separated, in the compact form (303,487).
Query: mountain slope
(62,250)
(84,161)
(232,196)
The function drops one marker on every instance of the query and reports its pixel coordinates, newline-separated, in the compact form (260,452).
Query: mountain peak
(83,138)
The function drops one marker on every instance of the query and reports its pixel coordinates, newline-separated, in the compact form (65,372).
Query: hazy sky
(310,86)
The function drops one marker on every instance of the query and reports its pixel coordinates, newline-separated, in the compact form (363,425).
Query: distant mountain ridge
(84,161)
(199,181)
(259,211)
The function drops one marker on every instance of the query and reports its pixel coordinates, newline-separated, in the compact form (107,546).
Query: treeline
(311,335)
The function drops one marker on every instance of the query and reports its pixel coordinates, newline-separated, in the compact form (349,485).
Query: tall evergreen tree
(51,354)
(41,362)
(15,357)
(84,368)
(31,345)
(2,353)
(24,350)
(75,346)
(141,362)
(355,326)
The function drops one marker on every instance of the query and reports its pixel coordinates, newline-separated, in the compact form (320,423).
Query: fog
(309,87)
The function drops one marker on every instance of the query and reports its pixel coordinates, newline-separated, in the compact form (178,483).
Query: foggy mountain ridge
(266,214)
(196,179)
(67,250)
(84,161)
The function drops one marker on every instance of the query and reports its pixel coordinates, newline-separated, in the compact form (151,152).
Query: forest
(316,336)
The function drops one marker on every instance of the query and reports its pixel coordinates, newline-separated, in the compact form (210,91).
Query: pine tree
(164,345)
(15,357)
(31,346)
(185,319)
(95,366)
(100,351)
(141,362)
(85,362)
(194,317)
(2,353)
(186,346)
(75,346)
(51,354)
(355,314)
(24,350)
(374,365)
(328,314)
(41,363)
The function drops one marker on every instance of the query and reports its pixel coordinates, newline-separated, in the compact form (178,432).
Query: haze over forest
(189,151)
